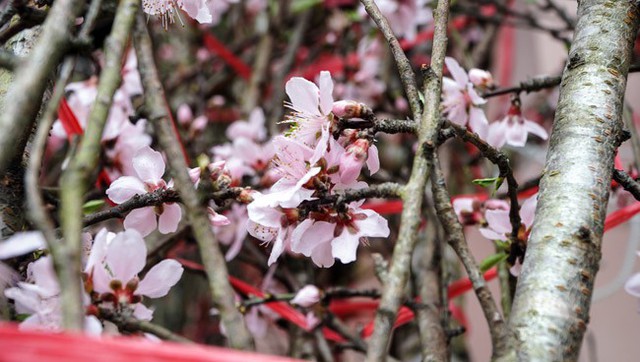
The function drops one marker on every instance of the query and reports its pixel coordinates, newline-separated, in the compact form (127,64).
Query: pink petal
(528,210)
(141,312)
(322,255)
(22,243)
(149,164)
(350,168)
(476,100)
(126,255)
(478,122)
(260,232)
(373,161)
(101,279)
(304,95)
(170,218)
(463,204)
(184,113)
(536,129)
(345,246)
(492,235)
(321,147)
(277,249)
(124,188)
(497,136)
(516,135)
(142,220)
(374,225)
(326,92)
(456,71)
(632,286)
(307,296)
(160,279)
(99,249)
(498,220)
(309,234)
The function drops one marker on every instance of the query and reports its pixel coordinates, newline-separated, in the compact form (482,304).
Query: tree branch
(456,238)
(413,193)
(132,324)
(407,76)
(76,178)
(502,161)
(212,258)
(23,100)
(555,287)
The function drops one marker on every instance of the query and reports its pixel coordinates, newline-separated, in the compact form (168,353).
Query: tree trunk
(551,307)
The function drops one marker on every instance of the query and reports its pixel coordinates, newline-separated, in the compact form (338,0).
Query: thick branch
(23,101)
(556,283)
(212,258)
(413,193)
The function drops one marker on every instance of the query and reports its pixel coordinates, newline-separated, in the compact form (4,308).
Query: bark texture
(551,307)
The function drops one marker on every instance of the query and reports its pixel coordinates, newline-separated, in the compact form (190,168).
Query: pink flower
(21,243)
(514,129)
(461,101)
(307,296)
(292,164)
(272,217)
(481,78)
(499,225)
(115,266)
(39,298)
(632,286)
(311,115)
(470,209)
(234,233)
(356,155)
(339,237)
(149,167)
(252,129)
(405,15)
(184,114)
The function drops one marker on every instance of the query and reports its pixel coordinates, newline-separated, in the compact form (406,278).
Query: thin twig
(154,198)
(36,204)
(276,110)
(538,83)
(132,324)
(212,258)
(502,161)
(23,100)
(407,76)
(76,178)
(627,182)
(413,193)
(456,238)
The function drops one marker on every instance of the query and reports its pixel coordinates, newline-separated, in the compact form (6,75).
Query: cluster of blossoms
(493,217)
(121,138)
(463,106)
(203,11)
(111,266)
(312,164)
(405,16)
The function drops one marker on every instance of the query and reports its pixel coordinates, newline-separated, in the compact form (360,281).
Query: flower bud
(307,296)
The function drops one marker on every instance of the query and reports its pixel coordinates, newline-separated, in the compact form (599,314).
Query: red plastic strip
(215,46)
(21,346)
